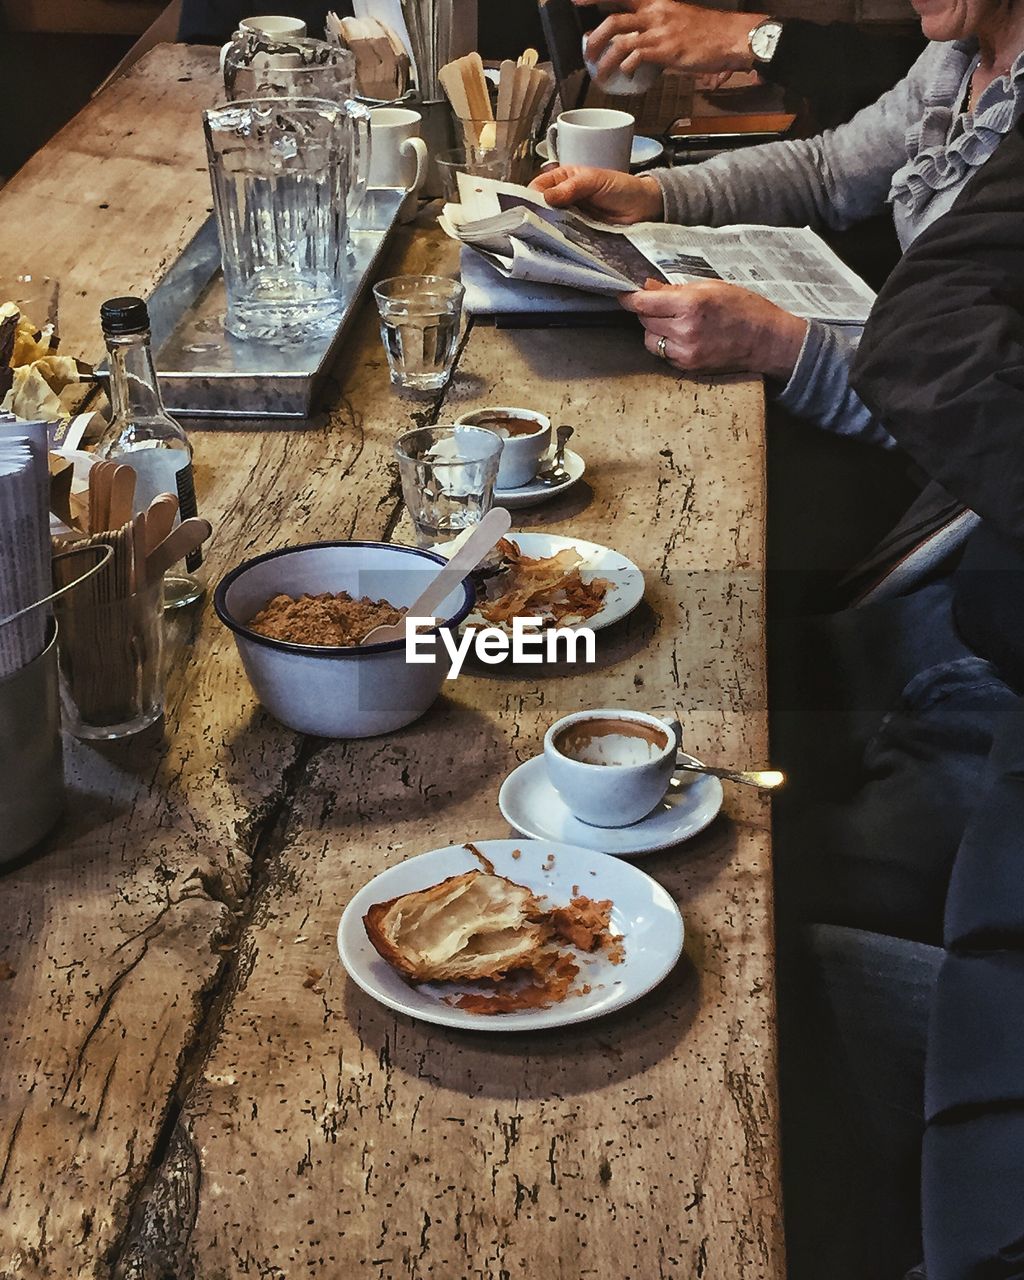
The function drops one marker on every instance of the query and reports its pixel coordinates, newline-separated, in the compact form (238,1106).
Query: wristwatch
(763,41)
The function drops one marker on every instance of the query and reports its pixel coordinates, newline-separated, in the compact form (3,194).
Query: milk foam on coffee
(611,742)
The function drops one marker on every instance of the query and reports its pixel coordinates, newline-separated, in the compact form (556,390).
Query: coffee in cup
(527,437)
(611,767)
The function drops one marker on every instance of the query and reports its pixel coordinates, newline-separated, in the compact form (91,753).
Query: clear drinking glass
(510,141)
(110,655)
(448,476)
(419,326)
(280,172)
(255,66)
(474,161)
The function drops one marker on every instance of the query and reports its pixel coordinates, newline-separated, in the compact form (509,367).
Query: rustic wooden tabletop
(191,1085)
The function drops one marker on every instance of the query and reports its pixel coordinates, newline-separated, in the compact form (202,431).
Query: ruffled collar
(938,161)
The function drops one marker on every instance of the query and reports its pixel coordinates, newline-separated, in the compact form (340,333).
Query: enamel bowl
(327,690)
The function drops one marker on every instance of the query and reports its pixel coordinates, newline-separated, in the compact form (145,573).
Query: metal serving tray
(205,372)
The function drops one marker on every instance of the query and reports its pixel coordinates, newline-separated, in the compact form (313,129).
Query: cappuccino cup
(594,136)
(527,437)
(611,767)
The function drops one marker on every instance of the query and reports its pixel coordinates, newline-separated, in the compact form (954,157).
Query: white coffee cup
(611,767)
(398,155)
(619,84)
(527,437)
(595,136)
(274,27)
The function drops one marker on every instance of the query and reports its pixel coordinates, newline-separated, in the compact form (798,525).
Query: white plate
(643,913)
(530,803)
(528,495)
(622,597)
(643,151)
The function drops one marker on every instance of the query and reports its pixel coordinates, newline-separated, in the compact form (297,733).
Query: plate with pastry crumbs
(510,935)
(564,581)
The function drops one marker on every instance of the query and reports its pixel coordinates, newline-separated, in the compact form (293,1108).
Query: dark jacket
(942,363)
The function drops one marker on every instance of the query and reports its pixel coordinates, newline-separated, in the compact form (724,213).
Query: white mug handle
(553,141)
(419,149)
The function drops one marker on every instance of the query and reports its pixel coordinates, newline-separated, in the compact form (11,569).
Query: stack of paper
(24,541)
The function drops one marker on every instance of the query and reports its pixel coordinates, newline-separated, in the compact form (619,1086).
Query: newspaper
(524,239)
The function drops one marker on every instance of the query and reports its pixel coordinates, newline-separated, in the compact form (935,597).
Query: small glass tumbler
(280,172)
(448,476)
(509,142)
(475,162)
(111,662)
(419,326)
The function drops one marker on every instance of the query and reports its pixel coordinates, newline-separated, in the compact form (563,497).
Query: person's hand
(714,327)
(686,37)
(620,198)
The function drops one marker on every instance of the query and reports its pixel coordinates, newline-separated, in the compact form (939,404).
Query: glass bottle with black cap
(143,435)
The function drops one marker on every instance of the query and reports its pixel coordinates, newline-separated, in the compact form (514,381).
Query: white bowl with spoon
(352,691)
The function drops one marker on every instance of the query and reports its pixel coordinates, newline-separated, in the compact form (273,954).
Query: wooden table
(192,1087)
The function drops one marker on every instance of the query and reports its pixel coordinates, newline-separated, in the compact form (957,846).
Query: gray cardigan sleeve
(835,179)
(819,389)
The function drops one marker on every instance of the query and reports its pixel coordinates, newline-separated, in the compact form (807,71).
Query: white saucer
(528,495)
(530,803)
(644,150)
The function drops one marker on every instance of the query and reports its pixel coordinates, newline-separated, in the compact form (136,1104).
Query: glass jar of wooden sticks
(110,642)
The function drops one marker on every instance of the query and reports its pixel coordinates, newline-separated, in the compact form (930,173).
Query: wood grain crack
(155,1244)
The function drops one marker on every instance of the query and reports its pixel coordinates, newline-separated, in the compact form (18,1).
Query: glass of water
(448,476)
(419,326)
(280,172)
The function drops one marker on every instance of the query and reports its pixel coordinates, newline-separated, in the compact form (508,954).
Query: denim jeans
(883,719)
(853,1093)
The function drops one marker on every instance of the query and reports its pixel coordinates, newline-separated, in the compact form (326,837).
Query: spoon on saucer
(763,779)
(556,473)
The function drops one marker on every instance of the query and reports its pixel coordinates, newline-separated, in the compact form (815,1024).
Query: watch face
(763,40)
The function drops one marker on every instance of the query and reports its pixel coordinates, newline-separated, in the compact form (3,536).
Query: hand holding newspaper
(524,239)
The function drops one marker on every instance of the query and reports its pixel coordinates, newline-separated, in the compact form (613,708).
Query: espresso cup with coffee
(595,136)
(611,767)
(527,437)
